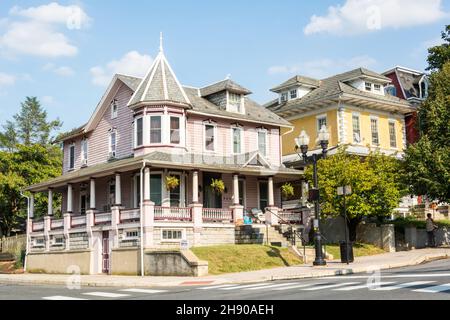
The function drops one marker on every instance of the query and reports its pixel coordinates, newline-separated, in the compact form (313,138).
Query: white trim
(112,153)
(163,71)
(114,114)
(373,117)
(204,136)
(142,118)
(266,133)
(161,141)
(180,129)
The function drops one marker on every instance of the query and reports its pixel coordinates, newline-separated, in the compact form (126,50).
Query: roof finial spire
(160,42)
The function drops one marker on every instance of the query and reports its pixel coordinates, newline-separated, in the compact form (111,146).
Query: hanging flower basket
(218,185)
(287,190)
(172,182)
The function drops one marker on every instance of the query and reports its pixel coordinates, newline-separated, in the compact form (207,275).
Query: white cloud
(132,63)
(48,100)
(62,71)
(321,68)
(361,16)
(7,79)
(40,31)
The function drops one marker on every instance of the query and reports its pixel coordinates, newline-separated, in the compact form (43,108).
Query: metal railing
(217,214)
(173,213)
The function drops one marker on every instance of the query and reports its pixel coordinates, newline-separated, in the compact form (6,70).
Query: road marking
(330,286)
(143,290)
(217,287)
(403,285)
(61,298)
(416,275)
(271,286)
(246,286)
(106,294)
(296,286)
(435,289)
(363,286)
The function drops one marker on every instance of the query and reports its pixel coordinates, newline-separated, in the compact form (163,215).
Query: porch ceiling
(168,161)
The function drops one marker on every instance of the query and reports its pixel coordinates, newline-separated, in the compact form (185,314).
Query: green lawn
(359,250)
(237,258)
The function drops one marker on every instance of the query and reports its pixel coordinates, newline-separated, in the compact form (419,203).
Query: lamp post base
(319,262)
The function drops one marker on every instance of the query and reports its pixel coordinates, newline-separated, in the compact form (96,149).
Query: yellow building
(354,107)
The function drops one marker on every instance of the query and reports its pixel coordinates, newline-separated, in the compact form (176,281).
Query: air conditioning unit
(84,162)
(112,155)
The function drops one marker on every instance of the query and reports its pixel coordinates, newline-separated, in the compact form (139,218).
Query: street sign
(345,190)
(184,245)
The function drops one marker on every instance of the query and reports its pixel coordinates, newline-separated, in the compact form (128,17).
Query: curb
(16,280)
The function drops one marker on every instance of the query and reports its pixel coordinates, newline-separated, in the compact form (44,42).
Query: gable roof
(159,84)
(333,88)
(226,84)
(297,80)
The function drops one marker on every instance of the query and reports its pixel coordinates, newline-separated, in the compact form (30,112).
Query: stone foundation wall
(59,262)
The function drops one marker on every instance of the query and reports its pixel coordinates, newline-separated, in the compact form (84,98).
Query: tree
(439,55)
(374,180)
(25,166)
(427,169)
(30,127)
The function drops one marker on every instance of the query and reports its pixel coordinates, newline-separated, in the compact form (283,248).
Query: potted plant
(287,190)
(218,185)
(172,182)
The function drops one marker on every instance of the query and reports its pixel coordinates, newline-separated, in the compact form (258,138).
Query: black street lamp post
(302,143)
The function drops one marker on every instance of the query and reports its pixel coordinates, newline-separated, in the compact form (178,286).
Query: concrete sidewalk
(361,264)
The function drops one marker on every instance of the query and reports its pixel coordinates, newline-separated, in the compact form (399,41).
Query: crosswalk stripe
(435,289)
(270,286)
(245,286)
(295,286)
(403,285)
(106,294)
(363,286)
(61,298)
(330,286)
(217,287)
(143,290)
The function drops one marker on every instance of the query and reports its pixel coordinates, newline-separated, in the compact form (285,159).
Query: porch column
(146,190)
(118,201)
(271,202)
(235,189)
(195,186)
(32,206)
(92,196)
(69,198)
(67,225)
(47,229)
(271,211)
(50,202)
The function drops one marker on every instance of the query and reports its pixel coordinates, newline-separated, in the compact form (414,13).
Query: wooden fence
(13,244)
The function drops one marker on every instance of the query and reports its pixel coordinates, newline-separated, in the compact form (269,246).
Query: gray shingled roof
(226,84)
(297,80)
(159,84)
(334,86)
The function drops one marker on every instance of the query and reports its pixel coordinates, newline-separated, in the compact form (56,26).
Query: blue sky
(65,52)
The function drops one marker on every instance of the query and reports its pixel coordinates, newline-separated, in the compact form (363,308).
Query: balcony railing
(57,224)
(38,226)
(130,215)
(173,214)
(217,215)
(77,221)
(102,218)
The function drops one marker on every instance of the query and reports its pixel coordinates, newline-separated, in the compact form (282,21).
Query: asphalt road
(430,281)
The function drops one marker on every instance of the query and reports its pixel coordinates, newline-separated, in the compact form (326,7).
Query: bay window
(155,129)
(139,132)
(175,130)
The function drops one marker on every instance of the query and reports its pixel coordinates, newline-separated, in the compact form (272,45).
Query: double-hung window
(262,142)
(368,86)
(112,143)
(377,87)
(374,130)
(237,140)
(284,97)
(356,129)
(392,135)
(155,129)
(293,93)
(321,121)
(71,157)
(139,132)
(210,137)
(114,109)
(234,102)
(175,130)
(84,152)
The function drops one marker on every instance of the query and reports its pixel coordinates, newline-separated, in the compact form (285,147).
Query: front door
(105,252)
(211,199)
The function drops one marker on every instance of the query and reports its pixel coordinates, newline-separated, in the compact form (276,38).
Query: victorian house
(159,165)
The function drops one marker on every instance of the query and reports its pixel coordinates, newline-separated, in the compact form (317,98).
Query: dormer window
(284,97)
(234,102)
(114,109)
(293,94)
(368,86)
(377,87)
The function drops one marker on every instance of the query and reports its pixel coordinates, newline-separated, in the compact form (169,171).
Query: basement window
(172,234)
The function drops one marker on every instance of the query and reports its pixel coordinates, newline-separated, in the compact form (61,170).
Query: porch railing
(130,215)
(291,216)
(102,218)
(173,213)
(77,221)
(217,215)
(57,224)
(37,226)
